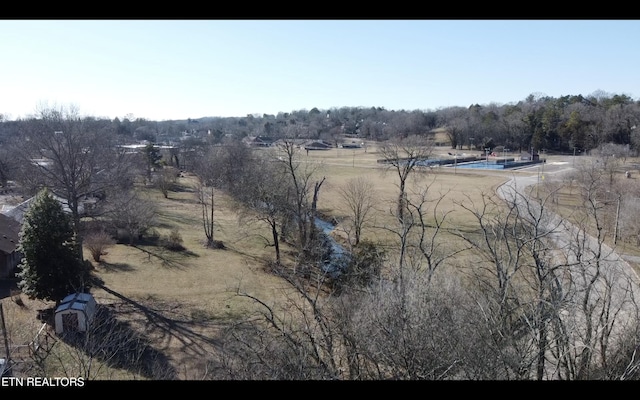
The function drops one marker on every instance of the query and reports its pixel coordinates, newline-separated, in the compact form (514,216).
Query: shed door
(69,322)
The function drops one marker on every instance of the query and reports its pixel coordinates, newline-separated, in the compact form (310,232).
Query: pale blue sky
(178,69)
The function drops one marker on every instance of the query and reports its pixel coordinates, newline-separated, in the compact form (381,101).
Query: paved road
(530,176)
(599,278)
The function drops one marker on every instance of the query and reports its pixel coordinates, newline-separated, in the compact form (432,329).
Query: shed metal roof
(76,301)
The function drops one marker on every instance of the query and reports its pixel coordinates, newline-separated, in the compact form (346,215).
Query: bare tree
(267,197)
(410,329)
(604,305)
(358,196)
(131,213)
(610,158)
(404,156)
(305,193)
(165,180)
(422,234)
(532,303)
(628,215)
(209,178)
(299,341)
(68,156)
(558,296)
(456,123)
(206,197)
(222,167)
(519,276)
(390,330)
(427,247)
(8,166)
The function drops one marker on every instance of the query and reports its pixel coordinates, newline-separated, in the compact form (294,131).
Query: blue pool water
(493,165)
(482,165)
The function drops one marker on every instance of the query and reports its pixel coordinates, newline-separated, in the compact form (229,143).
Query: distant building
(352,145)
(259,141)
(317,145)
(525,156)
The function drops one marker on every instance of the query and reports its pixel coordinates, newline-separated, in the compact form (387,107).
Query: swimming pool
(493,164)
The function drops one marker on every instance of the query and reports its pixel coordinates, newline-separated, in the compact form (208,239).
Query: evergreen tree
(153,156)
(50,268)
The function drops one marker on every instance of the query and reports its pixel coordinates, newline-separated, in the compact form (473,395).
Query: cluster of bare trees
(517,294)
(273,187)
(80,163)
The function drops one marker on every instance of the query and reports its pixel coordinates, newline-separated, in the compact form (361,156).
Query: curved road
(533,175)
(602,281)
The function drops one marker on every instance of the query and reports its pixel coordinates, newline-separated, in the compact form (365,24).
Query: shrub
(173,242)
(97,242)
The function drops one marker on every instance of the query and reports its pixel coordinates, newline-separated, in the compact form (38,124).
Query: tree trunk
(276,241)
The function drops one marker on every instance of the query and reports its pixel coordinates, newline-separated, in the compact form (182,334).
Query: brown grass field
(178,301)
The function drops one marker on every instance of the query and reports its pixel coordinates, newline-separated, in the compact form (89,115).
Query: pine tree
(50,268)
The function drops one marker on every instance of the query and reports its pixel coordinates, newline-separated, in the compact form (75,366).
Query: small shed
(75,313)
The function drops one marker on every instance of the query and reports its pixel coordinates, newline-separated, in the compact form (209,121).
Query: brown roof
(9,234)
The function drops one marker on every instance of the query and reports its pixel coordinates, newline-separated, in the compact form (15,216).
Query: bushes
(173,241)
(97,242)
(363,267)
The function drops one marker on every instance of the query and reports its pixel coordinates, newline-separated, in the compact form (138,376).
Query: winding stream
(338,256)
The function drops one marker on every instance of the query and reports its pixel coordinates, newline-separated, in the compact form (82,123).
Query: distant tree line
(563,124)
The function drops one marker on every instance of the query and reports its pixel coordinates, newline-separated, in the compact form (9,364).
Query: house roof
(259,140)
(317,145)
(17,212)
(9,234)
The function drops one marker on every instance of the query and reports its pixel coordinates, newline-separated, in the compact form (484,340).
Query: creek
(336,256)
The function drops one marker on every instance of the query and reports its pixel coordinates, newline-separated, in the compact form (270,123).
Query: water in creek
(337,257)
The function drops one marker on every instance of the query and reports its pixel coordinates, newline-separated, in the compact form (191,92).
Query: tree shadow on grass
(115,267)
(139,337)
(183,189)
(177,219)
(169,258)
(118,345)
(170,324)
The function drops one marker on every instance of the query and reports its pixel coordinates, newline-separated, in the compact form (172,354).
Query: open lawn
(178,301)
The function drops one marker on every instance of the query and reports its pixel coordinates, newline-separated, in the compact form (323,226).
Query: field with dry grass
(178,301)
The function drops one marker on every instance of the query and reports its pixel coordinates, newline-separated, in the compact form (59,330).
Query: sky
(178,69)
